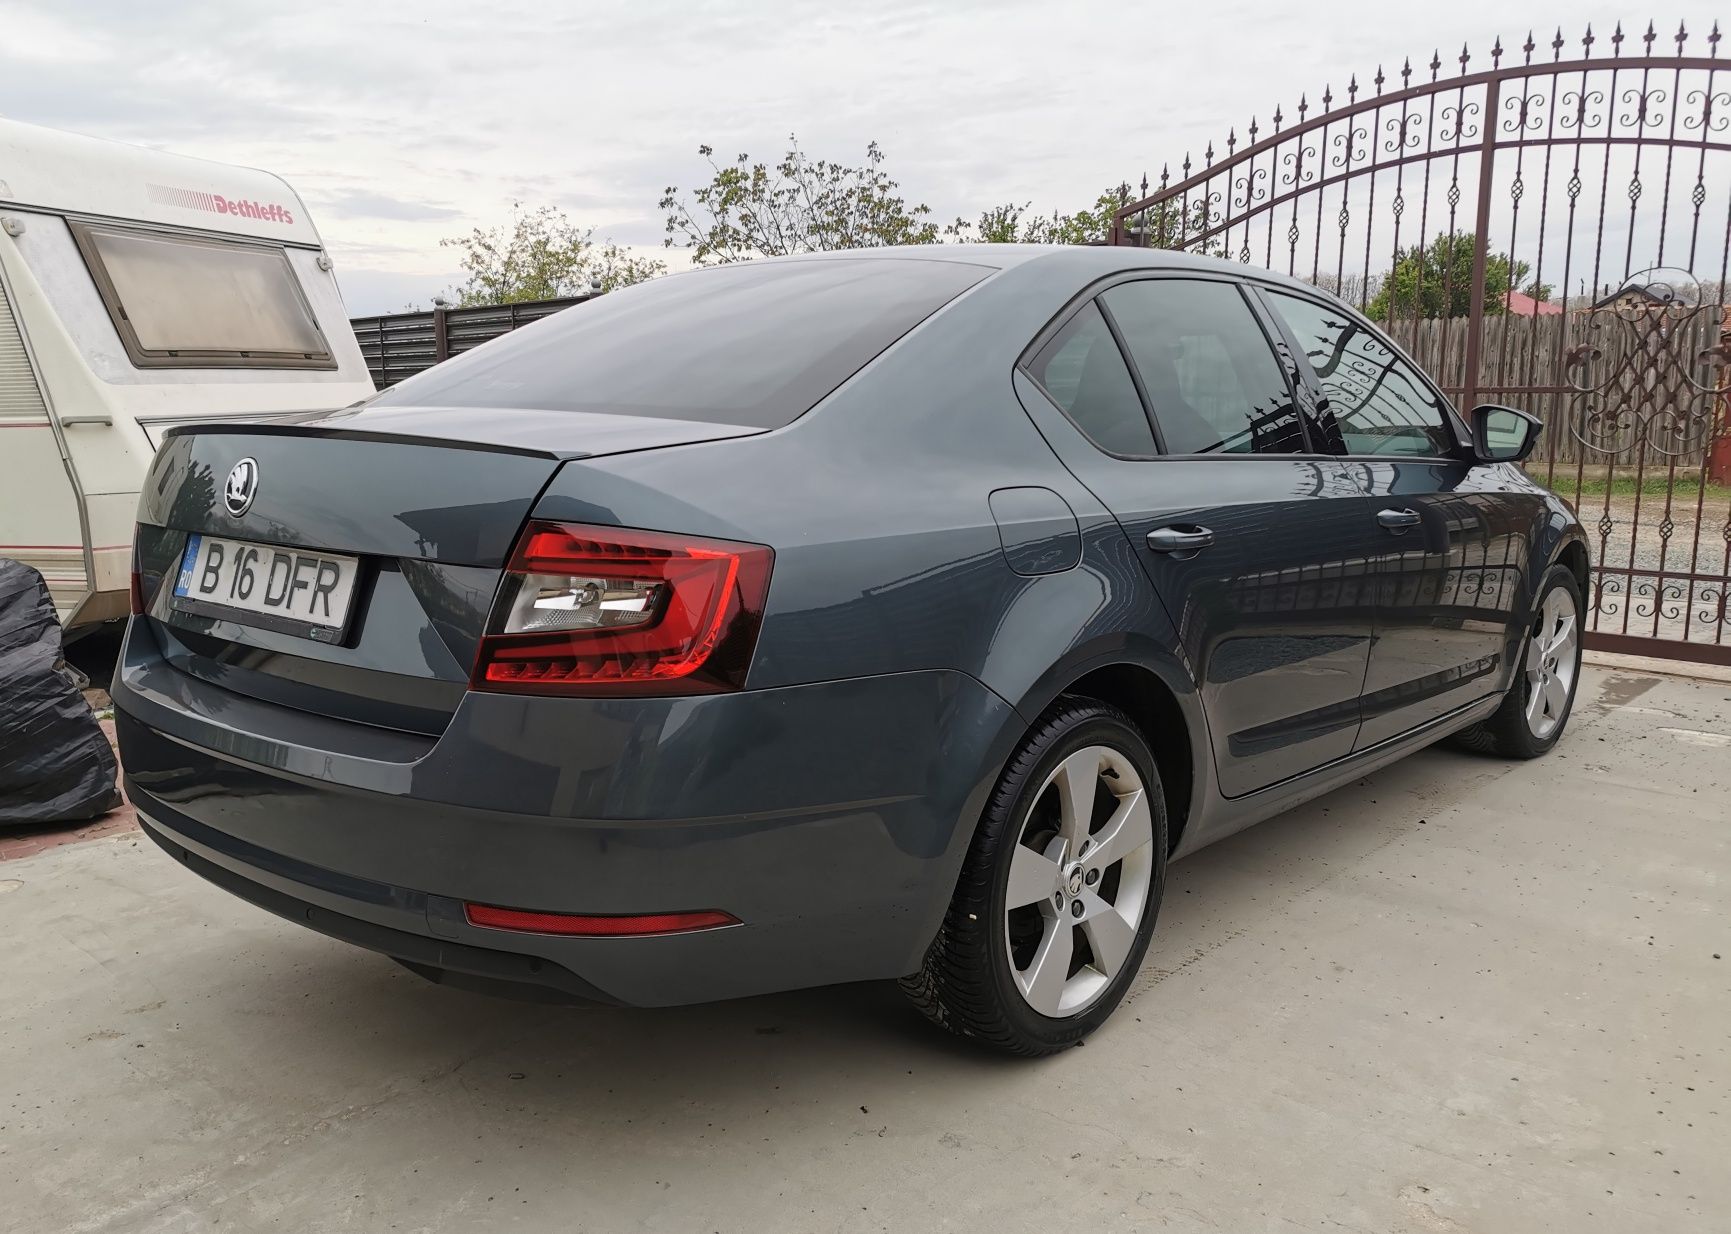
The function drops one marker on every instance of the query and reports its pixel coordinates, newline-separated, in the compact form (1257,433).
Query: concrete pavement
(1463,995)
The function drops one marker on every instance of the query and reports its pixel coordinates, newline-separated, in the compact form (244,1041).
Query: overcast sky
(404,123)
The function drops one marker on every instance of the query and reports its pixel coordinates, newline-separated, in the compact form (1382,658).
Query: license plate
(296,591)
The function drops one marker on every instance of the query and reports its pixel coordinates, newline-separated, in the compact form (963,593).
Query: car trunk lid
(429,506)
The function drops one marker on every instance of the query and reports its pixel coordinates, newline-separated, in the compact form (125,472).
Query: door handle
(1186,539)
(1398,521)
(69,421)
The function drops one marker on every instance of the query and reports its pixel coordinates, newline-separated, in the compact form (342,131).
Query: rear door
(1256,545)
(1453,544)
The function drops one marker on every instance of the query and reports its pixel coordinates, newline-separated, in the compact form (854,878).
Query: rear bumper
(413,939)
(831,819)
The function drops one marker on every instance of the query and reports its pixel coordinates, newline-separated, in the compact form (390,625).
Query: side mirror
(1504,435)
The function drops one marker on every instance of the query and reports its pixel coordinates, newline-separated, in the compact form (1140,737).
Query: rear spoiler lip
(277,428)
(528,433)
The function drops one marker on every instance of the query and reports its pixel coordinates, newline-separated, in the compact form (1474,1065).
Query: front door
(1451,566)
(1257,547)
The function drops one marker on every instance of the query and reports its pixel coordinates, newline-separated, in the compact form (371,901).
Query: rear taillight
(607,610)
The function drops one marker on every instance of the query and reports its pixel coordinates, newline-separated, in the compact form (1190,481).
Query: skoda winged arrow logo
(242,487)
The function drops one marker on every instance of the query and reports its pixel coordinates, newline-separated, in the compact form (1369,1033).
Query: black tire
(965,984)
(1506,733)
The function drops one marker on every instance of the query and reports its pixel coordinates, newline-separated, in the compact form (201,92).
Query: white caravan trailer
(138,290)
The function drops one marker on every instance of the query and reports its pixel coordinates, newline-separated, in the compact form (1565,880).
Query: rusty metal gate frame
(1539,170)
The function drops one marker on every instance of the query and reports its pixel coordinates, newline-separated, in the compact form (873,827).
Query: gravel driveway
(1696,612)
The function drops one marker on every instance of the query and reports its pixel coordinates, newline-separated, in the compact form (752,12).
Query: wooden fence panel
(1540,364)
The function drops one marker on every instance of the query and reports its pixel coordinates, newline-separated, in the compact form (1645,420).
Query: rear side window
(191,302)
(1210,374)
(1083,371)
(753,344)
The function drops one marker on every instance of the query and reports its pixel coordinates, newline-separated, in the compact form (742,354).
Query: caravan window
(189,302)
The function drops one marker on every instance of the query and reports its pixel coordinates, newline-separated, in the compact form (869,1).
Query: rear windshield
(752,344)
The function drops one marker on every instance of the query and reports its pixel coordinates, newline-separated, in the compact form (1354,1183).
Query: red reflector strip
(492,918)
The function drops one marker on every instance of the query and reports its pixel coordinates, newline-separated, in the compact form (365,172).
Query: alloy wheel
(1079,879)
(1552,662)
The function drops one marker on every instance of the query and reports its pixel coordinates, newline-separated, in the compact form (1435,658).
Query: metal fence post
(1481,247)
(1718,461)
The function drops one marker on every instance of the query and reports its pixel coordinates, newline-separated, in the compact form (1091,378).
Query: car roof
(1089,261)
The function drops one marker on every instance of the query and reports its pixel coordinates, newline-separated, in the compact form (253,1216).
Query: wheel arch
(1168,718)
(1573,554)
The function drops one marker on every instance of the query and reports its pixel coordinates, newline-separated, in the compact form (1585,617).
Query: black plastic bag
(55,763)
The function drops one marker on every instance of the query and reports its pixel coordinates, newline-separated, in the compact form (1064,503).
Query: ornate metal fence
(1548,227)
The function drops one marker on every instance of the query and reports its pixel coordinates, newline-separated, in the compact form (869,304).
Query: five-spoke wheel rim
(1078,884)
(1552,661)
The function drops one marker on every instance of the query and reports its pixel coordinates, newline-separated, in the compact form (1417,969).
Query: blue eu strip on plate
(187,560)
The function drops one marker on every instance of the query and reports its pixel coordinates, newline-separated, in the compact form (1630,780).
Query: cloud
(357,204)
(403,123)
(368,292)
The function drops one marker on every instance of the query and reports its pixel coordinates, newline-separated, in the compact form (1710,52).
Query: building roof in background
(1523,305)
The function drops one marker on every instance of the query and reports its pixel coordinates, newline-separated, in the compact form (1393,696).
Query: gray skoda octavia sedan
(897,614)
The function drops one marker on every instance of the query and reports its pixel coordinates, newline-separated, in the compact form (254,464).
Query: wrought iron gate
(1548,228)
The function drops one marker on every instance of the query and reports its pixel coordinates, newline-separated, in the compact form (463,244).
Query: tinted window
(190,302)
(1211,377)
(754,344)
(1084,372)
(1377,402)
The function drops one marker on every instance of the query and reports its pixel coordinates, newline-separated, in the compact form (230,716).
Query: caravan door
(41,523)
